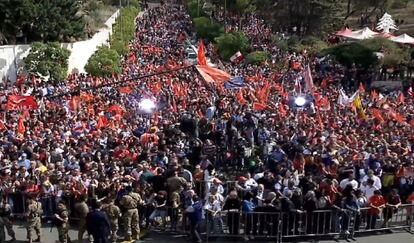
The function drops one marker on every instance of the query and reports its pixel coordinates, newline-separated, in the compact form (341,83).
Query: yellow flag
(358,105)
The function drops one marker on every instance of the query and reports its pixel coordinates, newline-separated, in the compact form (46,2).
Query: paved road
(162,237)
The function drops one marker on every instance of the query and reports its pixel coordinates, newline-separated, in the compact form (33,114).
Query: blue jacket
(197,215)
(98,225)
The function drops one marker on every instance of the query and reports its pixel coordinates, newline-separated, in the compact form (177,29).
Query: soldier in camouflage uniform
(82,210)
(62,222)
(129,204)
(5,212)
(113,213)
(34,211)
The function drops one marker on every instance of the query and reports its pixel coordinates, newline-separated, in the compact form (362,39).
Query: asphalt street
(163,237)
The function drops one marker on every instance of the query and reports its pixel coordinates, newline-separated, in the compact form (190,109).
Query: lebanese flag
(17,102)
(237,57)
(410,92)
(202,61)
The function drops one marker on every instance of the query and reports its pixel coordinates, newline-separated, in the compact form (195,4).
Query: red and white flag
(237,57)
(307,76)
(410,92)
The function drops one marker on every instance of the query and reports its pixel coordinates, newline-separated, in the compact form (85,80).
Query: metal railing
(301,225)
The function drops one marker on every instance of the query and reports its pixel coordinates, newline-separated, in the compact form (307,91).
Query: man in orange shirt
(376,203)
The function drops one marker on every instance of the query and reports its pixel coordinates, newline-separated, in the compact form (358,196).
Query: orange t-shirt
(376,200)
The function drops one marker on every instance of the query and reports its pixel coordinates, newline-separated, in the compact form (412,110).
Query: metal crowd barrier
(18,203)
(294,225)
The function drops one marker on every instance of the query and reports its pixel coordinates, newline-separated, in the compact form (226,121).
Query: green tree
(207,28)
(230,43)
(104,62)
(48,60)
(353,53)
(257,57)
(16,18)
(41,20)
(314,16)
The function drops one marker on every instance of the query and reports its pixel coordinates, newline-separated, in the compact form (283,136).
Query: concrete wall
(11,56)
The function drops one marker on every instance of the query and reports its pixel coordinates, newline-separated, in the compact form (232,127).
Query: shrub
(48,59)
(257,57)
(230,43)
(207,28)
(104,62)
(393,53)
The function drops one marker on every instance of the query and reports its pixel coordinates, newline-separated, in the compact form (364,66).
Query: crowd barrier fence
(277,226)
(281,226)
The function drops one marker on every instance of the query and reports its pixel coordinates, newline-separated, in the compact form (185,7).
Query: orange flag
(282,110)
(2,127)
(74,103)
(117,109)
(84,96)
(401,98)
(240,98)
(377,114)
(125,90)
(361,88)
(259,107)
(202,61)
(374,95)
(324,83)
(102,122)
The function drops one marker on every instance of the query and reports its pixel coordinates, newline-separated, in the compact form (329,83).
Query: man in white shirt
(349,181)
(369,188)
(376,179)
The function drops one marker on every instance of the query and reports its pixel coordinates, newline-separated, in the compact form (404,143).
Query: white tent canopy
(365,33)
(404,38)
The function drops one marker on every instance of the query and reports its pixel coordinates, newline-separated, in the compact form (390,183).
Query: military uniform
(5,211)
(113,213)
(130,204)
(63,226)
(82,210)
(34,211)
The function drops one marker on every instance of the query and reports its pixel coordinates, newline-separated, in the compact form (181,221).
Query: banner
(234,83)
(17,102)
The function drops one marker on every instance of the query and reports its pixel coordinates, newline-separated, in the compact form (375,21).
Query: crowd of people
(204,152)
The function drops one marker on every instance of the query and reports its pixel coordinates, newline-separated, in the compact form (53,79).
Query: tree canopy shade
(48,60)
(104,62)
(41,20)
(353,53)
(207,28)
(230,43)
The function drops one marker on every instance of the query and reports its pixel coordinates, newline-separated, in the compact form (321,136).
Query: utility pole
(120,20)
(198,8)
